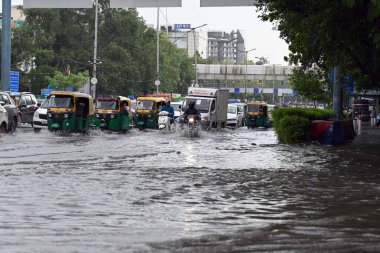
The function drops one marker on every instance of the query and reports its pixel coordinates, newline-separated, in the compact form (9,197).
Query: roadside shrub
(292,125)
(294,129)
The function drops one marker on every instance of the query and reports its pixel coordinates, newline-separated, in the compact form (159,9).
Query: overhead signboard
(15,81)
(221,3)
(145,3)
(182,26)
(76,4)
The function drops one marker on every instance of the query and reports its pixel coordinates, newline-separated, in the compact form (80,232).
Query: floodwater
(229,191)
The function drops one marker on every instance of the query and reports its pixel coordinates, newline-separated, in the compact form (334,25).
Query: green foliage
(293,130)
(311,84)
(61,80)
(292,125)
(63,39)
(330,33)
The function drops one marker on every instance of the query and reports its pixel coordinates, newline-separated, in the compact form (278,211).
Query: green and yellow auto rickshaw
(257,115)
(70,111)
(113,114)
(146,113)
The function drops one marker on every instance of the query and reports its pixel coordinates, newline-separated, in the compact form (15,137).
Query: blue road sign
(256,90)
(349,84)
(236,90)
(15,81)
(45,92)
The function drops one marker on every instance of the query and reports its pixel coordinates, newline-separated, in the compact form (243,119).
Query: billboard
(58,4)
(145,3)
(182,26)
(221,3)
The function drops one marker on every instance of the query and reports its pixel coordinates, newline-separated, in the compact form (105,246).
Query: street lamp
(246,72)
(195,53)
(94,80)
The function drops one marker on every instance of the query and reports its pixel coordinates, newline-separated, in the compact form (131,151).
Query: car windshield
(106,104)
(45,104)
(145,105)
(253,108)
(61,101)
(203,105)
(232,109)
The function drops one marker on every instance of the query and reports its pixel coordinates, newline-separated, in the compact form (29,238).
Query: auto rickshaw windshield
(145,105)
(61,101)
(110,105)
(253,108)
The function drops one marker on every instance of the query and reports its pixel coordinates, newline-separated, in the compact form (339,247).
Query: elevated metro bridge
(267,79)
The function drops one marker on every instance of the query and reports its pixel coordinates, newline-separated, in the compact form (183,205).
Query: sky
(257,34)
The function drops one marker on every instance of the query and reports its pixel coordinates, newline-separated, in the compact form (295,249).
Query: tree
(262,61)
(327,33)
(311,84)
(62,39)
(62,81)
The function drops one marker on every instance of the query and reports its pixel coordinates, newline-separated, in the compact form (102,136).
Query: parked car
(28,104)
(3,118)
(10,106)
(40,116)
(177,106)
(234,118)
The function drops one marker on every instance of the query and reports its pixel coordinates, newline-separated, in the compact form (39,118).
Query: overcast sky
(256,33)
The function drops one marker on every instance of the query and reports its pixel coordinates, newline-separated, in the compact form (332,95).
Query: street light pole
(195,53)
(158,52)
(94,80)
(246,72)
(6,46)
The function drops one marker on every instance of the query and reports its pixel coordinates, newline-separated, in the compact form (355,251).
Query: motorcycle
(190,126)
(164,121)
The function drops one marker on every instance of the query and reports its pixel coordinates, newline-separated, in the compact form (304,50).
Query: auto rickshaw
(257,115)
(113,114)
(70,111)
(146,113)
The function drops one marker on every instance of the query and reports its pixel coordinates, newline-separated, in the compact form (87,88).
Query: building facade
(226,47)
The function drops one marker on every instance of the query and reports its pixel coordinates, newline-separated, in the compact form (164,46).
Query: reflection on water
(230,191)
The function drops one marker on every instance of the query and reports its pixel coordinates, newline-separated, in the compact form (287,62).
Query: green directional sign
(145,3)
(58,4)
(221,3)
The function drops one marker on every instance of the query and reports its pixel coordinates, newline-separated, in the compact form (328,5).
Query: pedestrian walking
(373,118)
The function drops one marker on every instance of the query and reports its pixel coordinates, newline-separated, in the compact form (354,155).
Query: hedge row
(292,125)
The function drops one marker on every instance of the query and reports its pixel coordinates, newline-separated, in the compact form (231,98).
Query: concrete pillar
(6,46)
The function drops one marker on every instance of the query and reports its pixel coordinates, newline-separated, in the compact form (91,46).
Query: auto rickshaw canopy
(77,95)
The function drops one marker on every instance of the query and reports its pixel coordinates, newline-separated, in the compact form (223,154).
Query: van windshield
(232,109)
(203,105)
(61,102)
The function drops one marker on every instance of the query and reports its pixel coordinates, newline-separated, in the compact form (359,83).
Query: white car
(234,116)
(3,118)
(40,116)
(177,106)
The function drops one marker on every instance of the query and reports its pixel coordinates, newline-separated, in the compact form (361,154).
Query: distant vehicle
(27,105)
(270,109)
(10,106)
(257,115)
(212,104)
(234,118)
(3,118)
(40,116)
(177,106)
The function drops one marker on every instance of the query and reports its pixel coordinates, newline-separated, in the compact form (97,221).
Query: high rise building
(226,47)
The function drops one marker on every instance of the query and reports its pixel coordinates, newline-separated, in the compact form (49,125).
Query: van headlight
(66,115)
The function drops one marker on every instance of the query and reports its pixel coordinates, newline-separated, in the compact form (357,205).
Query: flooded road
(231,191)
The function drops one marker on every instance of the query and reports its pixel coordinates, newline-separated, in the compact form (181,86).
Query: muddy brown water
(231,191)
